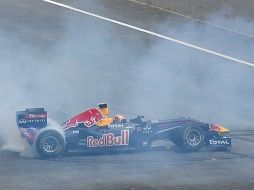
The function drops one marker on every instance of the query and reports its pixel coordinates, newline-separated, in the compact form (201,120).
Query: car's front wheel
(50,144)
(192,138)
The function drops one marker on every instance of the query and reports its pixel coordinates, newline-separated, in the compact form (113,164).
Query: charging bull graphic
(88,118)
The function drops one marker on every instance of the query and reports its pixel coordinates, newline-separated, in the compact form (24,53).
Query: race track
(158,169)
(67,60)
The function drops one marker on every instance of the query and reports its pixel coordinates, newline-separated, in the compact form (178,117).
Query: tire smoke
(67,70)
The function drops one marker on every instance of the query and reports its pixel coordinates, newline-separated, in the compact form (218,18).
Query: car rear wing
(31,118)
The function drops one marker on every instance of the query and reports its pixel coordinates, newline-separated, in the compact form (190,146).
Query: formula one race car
(94,130)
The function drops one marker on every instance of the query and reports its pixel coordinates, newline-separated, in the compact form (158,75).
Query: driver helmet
(103,107)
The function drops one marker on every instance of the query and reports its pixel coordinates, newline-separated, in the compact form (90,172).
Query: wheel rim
(50,144)
(193,137)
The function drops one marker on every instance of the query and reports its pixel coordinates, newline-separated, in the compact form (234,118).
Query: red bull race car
(93,130)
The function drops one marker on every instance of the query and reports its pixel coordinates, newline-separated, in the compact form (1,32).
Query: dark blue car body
(187,133)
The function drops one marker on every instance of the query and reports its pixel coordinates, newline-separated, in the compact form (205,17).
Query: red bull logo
(88,118)
(109,140)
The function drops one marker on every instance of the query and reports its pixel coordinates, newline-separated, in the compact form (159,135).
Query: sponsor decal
(116,126)
(147,129)
(219,142)
(36,116)
(28,133)
(88,118)
(23,121)
(109,140)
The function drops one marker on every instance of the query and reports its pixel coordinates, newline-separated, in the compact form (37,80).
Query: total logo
(219,142)
(109,140)
(116,126)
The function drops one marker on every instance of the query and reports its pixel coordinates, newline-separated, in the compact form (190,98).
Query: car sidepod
(115,136)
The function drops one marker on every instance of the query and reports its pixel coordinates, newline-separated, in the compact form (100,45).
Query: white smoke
(132,72)
(29,151)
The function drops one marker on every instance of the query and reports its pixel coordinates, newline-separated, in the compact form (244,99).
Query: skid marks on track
(247,135)
(182,157)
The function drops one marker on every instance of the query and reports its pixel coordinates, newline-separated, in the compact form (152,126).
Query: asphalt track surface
(156,169)
(40,26)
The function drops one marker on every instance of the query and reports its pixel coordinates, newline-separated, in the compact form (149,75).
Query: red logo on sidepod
(109,140)
(89,118)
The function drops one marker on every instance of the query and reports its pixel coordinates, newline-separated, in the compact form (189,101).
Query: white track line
(195,19)
(153,33)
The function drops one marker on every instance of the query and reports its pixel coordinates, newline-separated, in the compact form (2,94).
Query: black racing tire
(193,138)
(175,137)
(50,144)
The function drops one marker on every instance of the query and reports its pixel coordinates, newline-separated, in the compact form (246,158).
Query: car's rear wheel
(50,144)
